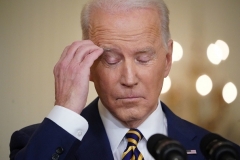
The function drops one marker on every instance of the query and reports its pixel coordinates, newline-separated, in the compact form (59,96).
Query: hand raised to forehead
(72,73)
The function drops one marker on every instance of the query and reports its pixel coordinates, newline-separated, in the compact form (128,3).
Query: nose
(129,77)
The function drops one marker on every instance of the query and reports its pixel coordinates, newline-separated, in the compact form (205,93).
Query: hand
(72,73)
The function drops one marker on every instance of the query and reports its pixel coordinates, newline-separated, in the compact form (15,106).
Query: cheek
(153,78)
(106,78)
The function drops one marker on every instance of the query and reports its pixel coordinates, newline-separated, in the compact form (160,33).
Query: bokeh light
(166,85)
(224,47)
(177,51)
(229,92)
(217,52)
(214,54)
(204,85)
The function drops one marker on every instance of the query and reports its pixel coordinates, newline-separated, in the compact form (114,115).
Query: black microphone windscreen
(153,141)
(207,140)
(215,147)
(162,147)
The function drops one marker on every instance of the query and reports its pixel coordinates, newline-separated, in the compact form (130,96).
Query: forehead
(136,24)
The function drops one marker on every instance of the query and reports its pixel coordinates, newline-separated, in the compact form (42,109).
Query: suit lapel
(188,134)
(95,144)
(178,128)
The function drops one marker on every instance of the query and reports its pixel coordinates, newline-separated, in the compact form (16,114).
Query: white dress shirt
(116,131)
(77,126)
(70,121)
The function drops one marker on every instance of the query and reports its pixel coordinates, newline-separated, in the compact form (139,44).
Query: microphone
(164,148)
(215,147)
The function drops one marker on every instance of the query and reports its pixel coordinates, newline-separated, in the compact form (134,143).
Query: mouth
(130,98)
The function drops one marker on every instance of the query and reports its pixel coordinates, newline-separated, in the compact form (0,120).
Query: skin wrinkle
(129,89)
(124,7)
(131,36)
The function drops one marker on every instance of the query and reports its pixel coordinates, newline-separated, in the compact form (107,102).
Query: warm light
(214,54)
(177,51)
(224,47)
(229,92)
(204,85)
(166,85)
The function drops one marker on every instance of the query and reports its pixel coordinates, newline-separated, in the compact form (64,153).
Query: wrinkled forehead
(136,22)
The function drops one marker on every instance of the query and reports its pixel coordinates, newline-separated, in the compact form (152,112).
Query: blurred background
(34,33)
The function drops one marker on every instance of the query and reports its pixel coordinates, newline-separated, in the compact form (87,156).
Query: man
(126,53)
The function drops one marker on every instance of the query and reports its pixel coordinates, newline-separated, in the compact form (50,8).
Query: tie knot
(134,136)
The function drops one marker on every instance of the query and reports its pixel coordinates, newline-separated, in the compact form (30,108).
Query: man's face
(128,77)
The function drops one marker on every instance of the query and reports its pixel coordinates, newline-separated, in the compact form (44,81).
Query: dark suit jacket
(42,141)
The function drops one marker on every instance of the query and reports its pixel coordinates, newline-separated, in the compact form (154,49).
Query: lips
(129,97)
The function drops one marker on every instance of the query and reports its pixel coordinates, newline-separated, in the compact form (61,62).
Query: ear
(168,63)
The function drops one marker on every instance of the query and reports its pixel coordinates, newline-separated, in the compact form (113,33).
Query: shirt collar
(155,123)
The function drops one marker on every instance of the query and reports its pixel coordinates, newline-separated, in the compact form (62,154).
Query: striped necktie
(131,152)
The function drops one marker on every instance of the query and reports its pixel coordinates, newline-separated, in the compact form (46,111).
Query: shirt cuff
(69,120)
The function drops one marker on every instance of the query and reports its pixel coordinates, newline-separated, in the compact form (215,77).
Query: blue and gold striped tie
(131,152)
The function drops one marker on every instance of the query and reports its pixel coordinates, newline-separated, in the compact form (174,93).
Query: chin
(132,114)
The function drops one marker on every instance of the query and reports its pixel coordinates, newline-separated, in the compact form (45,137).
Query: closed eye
(111,58)
(144,58)
(145,55)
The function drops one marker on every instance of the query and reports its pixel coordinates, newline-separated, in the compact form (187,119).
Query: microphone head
(207,142)
(163,147)
(153,142)
(214,146)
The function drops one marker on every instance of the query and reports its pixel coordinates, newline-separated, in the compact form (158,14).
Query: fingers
(84,51)
(75,53)
(63,55)
(90,58)
(71,50)
(72,74)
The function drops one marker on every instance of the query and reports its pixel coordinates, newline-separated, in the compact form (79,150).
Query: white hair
(124,5)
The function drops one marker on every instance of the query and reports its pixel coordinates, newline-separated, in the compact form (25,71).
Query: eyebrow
(136,51)
(145,50)
(107,49)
